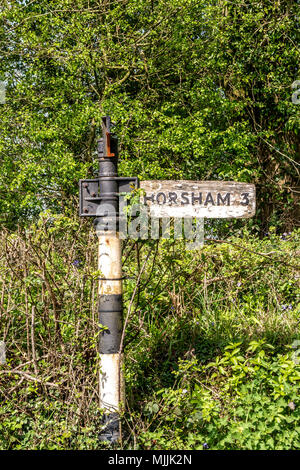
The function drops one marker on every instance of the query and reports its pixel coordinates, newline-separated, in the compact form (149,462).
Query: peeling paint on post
(110,287)
(99,198)
(2,353)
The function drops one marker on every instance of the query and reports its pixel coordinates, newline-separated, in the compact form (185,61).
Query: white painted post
(110,297)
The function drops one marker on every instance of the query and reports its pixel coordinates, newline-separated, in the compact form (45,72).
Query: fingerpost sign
(103,199)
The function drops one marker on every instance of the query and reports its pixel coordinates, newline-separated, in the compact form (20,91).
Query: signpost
(100,198)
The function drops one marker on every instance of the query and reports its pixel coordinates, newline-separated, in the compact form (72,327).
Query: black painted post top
(95,195)
(108,184)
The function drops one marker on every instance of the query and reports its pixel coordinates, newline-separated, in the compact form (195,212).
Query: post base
(111,429)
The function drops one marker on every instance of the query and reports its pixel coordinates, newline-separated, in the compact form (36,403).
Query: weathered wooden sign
(203,199)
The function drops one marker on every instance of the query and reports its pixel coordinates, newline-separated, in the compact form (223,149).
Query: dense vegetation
(197,90)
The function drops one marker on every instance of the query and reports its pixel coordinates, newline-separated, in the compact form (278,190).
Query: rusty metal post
(110,285)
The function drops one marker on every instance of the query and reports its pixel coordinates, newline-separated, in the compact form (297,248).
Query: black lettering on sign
(245,201)
(184,198)
(199,199)
(164,198)
(209,199)
(149,198)
(221,200)
(172,197)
